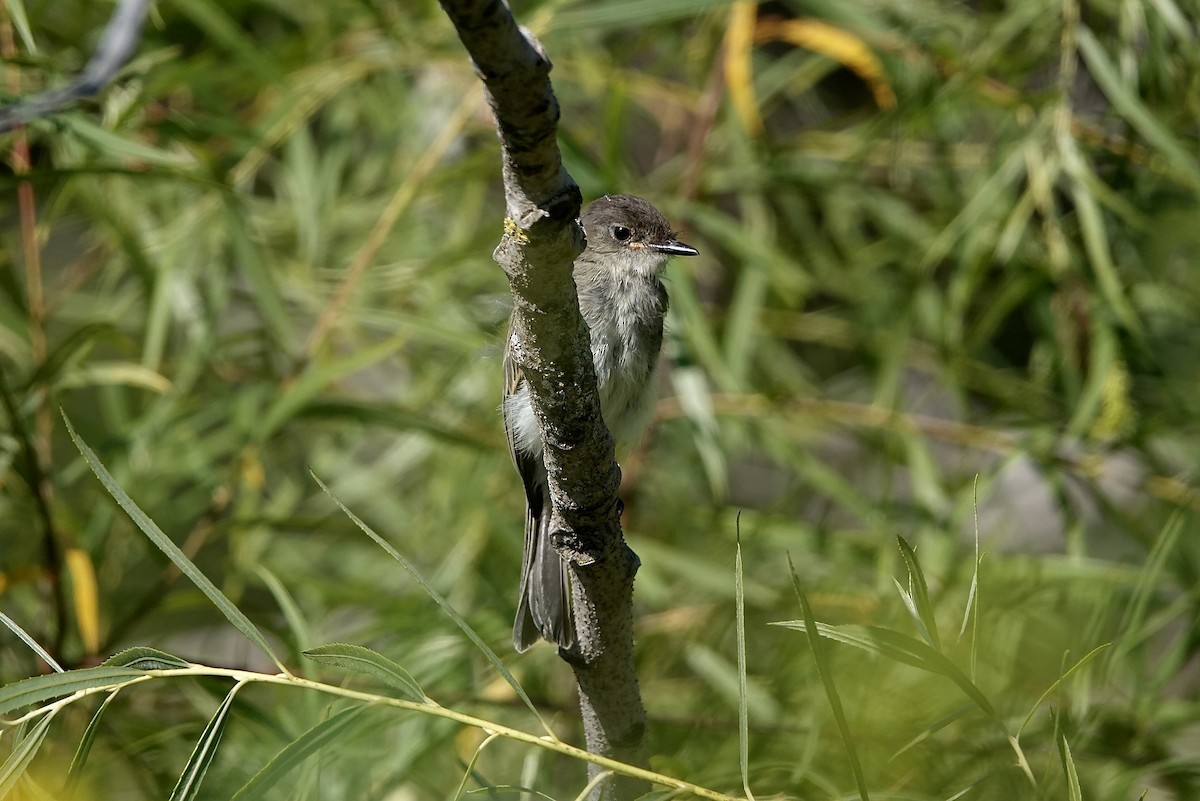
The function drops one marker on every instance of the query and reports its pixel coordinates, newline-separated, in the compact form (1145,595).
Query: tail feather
(544,610)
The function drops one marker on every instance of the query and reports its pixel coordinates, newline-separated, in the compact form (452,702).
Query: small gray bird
(623,302)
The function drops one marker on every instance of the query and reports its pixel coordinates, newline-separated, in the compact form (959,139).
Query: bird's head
(629,232)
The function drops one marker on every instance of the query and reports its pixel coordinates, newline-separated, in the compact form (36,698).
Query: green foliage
(266,248)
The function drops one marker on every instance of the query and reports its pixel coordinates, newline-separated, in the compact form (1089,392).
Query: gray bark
(552,347)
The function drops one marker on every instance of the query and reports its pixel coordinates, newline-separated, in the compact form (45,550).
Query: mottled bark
(551,346)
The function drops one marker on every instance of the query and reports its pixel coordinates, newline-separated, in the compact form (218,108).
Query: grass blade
(1132,109)
(1074,791)
(919,589)
(173,552)
(933,728)
(835,702)
(1088,657)
(898,647)
(743,707)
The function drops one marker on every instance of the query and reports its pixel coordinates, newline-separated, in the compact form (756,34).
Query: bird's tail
(544,609)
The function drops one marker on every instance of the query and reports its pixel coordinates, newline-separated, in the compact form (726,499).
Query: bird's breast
(626,336)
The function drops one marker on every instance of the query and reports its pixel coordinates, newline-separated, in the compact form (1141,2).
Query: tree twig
(120,39)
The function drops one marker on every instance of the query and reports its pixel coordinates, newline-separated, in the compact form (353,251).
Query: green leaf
(33,644)
(42,688)
(926,620)
(1074,791)
(22,753)
(145,658)
(100,374)
(222,29)
(935,727)
(369,663)
(287,604)
(743,707)
(188,786)
(85,746)
(114,145)
(296,752)
(1129,106)
(898,647)
(185,565)
(20,21)
(809,627)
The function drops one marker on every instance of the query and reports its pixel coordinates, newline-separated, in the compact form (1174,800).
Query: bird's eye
(621,233)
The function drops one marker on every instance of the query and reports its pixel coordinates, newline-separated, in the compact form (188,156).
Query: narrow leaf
(22,753)
(116,146)
(743,707)
(934,728)
(926,620)
(145,658)
(164,543)
(20,21)
(296,752)
(1129,106)
(826,674)
(42,688)
(369,663)
(900,648)
(33,644)
(85,746)
(462,785)
(188,786)
(1088,657)
(289,607)
(1074,791)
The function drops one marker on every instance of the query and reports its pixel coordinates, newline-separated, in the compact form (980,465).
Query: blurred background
(946,291)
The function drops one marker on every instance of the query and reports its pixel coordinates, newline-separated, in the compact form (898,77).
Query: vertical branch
(550,343)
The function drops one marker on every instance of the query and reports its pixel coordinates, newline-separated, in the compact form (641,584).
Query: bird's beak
(674,248)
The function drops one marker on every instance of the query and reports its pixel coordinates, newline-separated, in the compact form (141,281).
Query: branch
(551,344)
(120,39)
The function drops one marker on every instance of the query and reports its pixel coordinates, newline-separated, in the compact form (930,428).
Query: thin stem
(428,707)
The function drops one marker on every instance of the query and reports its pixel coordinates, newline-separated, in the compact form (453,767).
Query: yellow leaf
(841,46)
(739,42)
(87,607)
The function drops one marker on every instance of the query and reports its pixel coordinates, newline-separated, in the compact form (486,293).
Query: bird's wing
(528,466)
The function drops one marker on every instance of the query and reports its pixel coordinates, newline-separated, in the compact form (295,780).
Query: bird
(618,277)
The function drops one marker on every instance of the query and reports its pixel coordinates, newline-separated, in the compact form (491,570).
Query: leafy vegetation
(945,294)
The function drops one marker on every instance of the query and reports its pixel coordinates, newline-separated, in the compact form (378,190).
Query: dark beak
(674,248)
